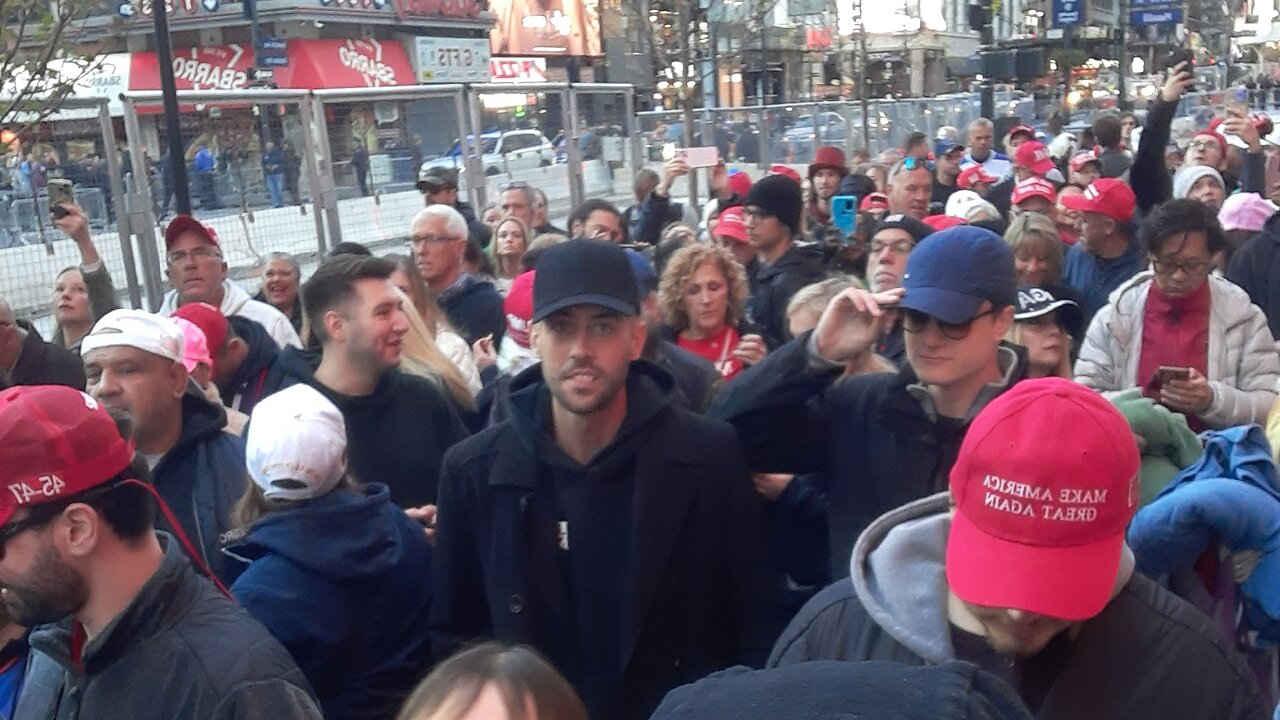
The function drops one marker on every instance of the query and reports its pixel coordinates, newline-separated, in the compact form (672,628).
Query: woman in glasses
(506,252)
(1191,340)
(1046,324)
(703,294)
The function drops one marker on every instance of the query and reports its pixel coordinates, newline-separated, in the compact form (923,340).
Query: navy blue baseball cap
(943,146)
(951,273)
(584,272)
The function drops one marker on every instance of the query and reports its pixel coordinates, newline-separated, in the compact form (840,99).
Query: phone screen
(844,213)
(701,157)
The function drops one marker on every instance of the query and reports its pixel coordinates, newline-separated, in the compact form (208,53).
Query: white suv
(504,153)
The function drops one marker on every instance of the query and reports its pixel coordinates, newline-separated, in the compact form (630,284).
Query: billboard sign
(546,27)
(1067,12)
(452,60)
(1157,16)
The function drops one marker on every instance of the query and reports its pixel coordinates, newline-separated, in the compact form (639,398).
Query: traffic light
(249,8)
(979,16)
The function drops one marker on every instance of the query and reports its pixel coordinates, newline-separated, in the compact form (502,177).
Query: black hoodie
(397,435)
(772,286)
(474,309)
(247,386)
(42,363)
(643,569)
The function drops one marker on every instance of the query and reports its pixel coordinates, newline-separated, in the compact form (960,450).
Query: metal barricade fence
(253,170)
(32,251)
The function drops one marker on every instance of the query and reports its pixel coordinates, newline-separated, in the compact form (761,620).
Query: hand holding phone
(1165,373)
(701,157)
(844,213)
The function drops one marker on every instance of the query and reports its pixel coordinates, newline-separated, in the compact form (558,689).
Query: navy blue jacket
(1256,268)
(344,583)
(474,309)
(201,478)
(773,285)
(866,440)
(249,384)
(700,589)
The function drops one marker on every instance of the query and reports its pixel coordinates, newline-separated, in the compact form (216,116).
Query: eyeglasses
(901,247)
(1190,267)
(513,185)
(915,163)
(17,527)
(914,321)
(1202,145)
(177,257)
(432,239)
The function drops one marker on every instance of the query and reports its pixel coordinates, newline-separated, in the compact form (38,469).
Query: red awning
(313,64)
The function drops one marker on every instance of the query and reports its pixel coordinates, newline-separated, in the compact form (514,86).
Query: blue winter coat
(1232,493)
(344,583)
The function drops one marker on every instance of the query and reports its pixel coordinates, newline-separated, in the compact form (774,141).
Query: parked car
(504,152)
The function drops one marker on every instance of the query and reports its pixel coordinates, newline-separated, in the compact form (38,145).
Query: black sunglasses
(17,527)
(914,321)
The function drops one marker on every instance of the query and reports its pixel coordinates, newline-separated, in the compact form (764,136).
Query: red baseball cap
(1213,134)
(740,183)
(974,174)
(1080,159)
(518,307)
(1108,196)
(874,201)
(56,442)
(1034,187)
(1033,156)
(1021,130)
(784,170)
(209,319)
(1040,526)
(942,222)
(185,223)
(733,224)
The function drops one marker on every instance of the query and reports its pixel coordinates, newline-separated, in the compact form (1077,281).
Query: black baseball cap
(584,272)
(437,178)
(917,229)
(1035,301)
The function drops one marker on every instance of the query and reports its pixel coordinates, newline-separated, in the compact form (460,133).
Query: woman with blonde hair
(1047,325)
(430,349)
(703,296)
(1037,249)
(511,238)
(494,682)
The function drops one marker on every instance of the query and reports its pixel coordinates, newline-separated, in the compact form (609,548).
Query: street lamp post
(172,124)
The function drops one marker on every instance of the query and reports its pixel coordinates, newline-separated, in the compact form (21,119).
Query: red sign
(222,67)
(817,38)
(312,64)
(517,70)
(438,8)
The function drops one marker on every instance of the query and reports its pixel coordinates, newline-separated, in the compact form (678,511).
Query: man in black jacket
(1022,569)
(877,441)
(1256,268)
(398,425)
(29,360)
(123,625)
(600,523)
(473,306)
(773,209)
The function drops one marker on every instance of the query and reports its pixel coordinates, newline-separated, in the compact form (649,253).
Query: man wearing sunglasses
(123,625)
(876,442)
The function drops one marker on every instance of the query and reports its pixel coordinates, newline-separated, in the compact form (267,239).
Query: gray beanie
(1186,177)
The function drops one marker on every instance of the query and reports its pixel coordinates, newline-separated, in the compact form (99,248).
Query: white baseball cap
(139,329)
(296,446)
(961,202)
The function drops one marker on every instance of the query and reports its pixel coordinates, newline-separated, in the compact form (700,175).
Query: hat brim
(1037,194)
(1041,168)
(1081,203)
(186,223)
(1068,583)
(432,185)
(738,236)
(1069,315)
(948,306)
(604,301)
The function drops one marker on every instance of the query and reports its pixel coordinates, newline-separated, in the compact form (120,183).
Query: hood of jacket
(1229,304)
(233,298)
(470,285)
(899,573)
(345,535)
(650,391)
(201,419)
(298,365)
(804,256)
(263,351)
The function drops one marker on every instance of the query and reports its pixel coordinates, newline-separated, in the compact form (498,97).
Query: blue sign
(273,61)
(1067,12)
(272,43)
(1162,16)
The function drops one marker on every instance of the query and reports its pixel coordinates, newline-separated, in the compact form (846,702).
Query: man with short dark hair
(597,220)
(517,199)
(541,222)
(438,237)
(773,209)
(877,441)
(199,273)
(242,354)
(133,361)
(601,523)
(28,359)
(917,146)
(1023,570)
(123,625)
(398,425)
(439,186)
(654,209)
(1108,132)
(947,157)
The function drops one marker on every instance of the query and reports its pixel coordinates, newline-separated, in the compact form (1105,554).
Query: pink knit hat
(195,349)
(1246,211)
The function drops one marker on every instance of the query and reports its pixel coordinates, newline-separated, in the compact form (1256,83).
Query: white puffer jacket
(1244,365)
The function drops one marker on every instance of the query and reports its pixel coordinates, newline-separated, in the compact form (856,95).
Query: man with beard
(133,361)
(825,173)
(123,627)
(1022,569)
(601,523)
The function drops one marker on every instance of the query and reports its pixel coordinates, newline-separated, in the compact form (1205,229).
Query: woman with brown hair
(703,295)
(511,238)
(494,682)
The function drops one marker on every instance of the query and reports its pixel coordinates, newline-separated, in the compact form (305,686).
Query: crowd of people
(1004,449)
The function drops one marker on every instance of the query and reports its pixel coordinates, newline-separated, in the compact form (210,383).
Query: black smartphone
(1181,55)
(60,191)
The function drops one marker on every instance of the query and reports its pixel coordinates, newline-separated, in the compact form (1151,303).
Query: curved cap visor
(1069,315)
(604,301)
(185,223)
(948,306)
(1068,583)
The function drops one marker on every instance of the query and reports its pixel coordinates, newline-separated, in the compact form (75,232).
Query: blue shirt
(1095,278)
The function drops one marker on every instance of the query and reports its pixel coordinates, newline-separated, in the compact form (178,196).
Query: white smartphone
(701,157)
